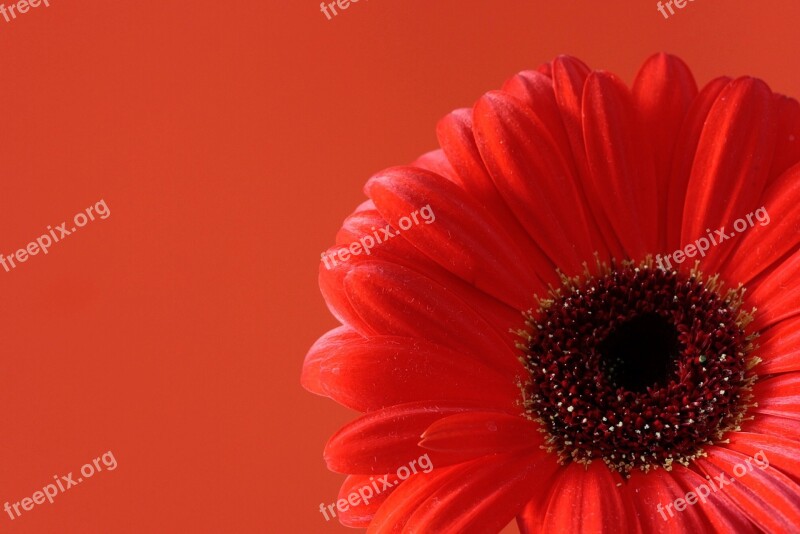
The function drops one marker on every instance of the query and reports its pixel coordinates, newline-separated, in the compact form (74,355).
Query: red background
(229,140)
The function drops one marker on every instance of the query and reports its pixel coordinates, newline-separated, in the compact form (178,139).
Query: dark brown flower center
(637,366)
(640,352)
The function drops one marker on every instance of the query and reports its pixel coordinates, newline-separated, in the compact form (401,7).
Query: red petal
(392,516)
(486,498)
(332,270)
(653,492)
(310,375)
(732,163)
(531,519)
(458,143)
(663,93)
(376,372)
(777,295)
(781,453)
(436,162)
(331,285)
(773,232)
(456,137)
(771,425)
(385,440)
(360,487)
(399,251)
(536,91)
(534,178)
(787,148)
(779,348)
(480,433)
(546,69)
(460,235)
(767,497)
(569,78)
(685,150)
(589,499)
(621,172)
(718,509)
(396,301)
(779,396)
(353,226)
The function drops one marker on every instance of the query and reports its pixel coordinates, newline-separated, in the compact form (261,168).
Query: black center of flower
(640,352)
(637,366)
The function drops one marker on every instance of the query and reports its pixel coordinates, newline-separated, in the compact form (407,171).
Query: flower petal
(370,487)
(397,301)
(536,91)
(767,497)
(455,133)
(531,519)
(779,396)
(460,235)
(771,425)
(787,148)
(685,150)
(436,161)
(774,232)
(480,433)
(663,92)
(310,375)
(392,517)
(718,509)
(487,498)
(781,453)
(732,163)
(385,440)
(399,251)
(458,143)
(653,492)
(569,78)
(621,172)
(534,178)
(776,296)
(546,69)
(779,348)
(331,285)
(368,374)
(588,499)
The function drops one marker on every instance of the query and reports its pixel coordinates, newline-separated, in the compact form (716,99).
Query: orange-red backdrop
(229,140)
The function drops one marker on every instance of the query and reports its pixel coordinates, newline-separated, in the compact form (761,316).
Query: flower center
(640,352)
(637,366)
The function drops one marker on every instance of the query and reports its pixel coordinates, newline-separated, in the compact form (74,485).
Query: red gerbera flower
(596,329)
